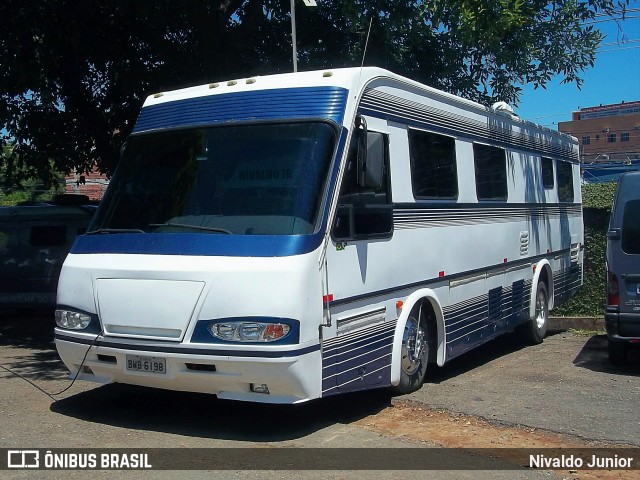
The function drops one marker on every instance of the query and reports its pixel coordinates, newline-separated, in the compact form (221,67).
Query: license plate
(140,363)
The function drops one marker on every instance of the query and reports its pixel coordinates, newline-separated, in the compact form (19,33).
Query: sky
(615,78)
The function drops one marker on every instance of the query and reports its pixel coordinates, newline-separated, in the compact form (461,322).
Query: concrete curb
(577,323)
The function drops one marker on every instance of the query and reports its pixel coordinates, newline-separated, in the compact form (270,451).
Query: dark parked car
(622,308)
(34,241)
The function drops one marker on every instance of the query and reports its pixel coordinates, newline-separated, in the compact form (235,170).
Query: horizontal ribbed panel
(402,110)
(283,103)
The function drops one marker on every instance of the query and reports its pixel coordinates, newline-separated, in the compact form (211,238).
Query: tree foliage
(73,74)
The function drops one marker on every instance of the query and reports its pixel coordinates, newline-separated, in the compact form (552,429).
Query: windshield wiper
(193,227)
(115,230)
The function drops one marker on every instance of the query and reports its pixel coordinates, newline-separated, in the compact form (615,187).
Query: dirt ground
(457,430)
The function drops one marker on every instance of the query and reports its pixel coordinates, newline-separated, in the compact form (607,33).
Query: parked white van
(290,237)
(622,308)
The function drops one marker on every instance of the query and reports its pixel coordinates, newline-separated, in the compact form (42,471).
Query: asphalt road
(564,385)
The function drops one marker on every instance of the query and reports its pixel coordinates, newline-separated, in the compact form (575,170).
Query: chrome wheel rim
(542,309)
(413,345)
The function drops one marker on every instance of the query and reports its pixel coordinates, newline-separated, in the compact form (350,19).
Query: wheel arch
(543,273)
(429,300)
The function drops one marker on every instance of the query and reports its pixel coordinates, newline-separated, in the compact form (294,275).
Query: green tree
(73,74)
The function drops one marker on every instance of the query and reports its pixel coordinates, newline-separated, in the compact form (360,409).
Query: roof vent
(503,108)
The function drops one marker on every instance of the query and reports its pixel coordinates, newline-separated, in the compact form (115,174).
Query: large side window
(364,205)
(631,228)
(433,165)
(565,181)
(547,173)
(491,172)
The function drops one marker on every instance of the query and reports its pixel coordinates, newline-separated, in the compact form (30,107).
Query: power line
(619,49)
(620,44)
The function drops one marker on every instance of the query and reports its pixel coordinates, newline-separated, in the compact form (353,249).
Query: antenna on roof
(366,43)
(364,53)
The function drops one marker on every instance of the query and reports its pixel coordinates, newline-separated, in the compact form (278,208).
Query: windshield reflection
(241,180)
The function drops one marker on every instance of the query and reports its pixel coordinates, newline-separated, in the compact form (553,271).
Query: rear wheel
(617,352)
(534,331)
(414,353)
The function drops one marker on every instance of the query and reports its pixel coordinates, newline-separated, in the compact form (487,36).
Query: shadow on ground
(490,351)
(34,356)
(594,356)
(27,328)
(205,416)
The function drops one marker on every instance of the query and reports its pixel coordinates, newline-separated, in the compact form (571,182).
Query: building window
(611,138)
(433,165)
(586,140)
(491,172)
(624,137)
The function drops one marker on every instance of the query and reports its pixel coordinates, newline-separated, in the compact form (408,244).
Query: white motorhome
(290,237)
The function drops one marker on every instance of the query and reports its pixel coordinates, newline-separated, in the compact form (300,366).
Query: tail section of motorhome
(284,238)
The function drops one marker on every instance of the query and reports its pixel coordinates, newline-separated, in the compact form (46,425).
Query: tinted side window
(631,228)
(48,236)
(565,181)
(491,172)
(433,165)
(363,212)
(547,172)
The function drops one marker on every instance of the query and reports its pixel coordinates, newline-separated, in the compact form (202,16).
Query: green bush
(597,202)
(30,194)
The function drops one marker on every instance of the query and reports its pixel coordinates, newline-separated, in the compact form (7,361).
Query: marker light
(72,320)
(249,331)
(613,290)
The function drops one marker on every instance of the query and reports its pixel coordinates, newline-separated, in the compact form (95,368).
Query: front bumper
(292,376)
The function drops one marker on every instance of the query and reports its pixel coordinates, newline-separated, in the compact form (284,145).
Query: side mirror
(371,155)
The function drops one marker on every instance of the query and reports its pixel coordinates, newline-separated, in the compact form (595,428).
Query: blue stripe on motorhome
(358,361)
(472,322)
(566,283)
(274,104)
(197,244)
(429,215)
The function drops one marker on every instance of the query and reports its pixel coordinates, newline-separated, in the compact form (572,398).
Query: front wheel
(414,353)
(534,331)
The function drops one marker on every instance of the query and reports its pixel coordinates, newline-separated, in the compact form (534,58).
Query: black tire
(617,352)
(414,353)
(534,331)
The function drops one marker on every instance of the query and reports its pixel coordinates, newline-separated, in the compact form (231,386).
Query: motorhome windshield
(263,179)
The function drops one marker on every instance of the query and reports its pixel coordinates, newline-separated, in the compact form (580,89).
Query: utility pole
(308,3)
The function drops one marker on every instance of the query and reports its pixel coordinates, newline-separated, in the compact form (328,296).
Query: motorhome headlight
(238,331)
(72,320)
